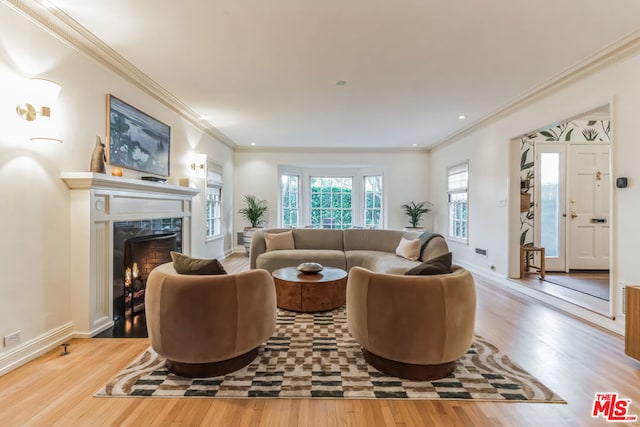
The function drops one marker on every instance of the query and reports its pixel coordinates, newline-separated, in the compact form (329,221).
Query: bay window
(290,194)
(373,201)
(332,197)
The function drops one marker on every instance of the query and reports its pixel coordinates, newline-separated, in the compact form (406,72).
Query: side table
(320,291)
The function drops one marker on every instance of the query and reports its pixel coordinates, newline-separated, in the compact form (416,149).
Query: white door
(549,193)
(588,208)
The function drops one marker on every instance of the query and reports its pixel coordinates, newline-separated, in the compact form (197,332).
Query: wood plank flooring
(571,357)
(589,302)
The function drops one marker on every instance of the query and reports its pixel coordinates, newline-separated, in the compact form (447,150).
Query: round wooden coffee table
(321,291)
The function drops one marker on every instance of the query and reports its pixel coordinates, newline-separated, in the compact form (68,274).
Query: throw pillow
(409,249)
(438,265)
(279,241)
(184,264)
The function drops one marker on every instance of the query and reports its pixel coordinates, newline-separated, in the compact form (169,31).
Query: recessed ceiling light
(341,83)
(462,117)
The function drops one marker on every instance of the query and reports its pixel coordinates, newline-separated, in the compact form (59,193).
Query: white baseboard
(233,251)
(502,282)
(106,325)
(35,347)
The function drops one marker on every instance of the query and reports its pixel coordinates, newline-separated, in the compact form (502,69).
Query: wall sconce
(40,97)
(198,166)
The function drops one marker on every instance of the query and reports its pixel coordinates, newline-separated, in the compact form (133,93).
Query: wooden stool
(525,263)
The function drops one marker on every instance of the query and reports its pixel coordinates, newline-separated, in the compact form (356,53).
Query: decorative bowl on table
(310,268)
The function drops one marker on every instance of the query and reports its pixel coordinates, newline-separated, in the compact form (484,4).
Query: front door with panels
(589,195)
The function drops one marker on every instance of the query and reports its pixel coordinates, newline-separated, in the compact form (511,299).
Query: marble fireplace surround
(96,202)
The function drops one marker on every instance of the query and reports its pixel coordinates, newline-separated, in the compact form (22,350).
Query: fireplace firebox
(141,255)
(139,247)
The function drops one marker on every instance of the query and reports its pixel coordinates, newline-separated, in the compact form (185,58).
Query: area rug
(314,356)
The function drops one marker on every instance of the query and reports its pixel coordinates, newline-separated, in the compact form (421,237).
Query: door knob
(573,214)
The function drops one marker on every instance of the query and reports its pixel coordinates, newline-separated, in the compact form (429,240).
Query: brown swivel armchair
(207,326)
(413,327)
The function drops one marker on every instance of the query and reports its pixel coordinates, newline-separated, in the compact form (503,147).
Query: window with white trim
(331,197)
(457,191)
(373,201)
(331,202)
(290,193)
(214,201)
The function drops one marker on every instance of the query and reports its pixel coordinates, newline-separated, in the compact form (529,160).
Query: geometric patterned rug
(312,355)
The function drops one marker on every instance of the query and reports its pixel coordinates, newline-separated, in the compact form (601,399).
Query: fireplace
(100,203)
(139,247)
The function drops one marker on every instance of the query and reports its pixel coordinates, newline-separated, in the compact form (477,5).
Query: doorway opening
(565,208)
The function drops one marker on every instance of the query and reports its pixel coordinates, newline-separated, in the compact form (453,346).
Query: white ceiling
(266,71)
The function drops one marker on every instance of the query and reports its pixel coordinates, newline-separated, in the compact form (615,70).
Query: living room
(37,295)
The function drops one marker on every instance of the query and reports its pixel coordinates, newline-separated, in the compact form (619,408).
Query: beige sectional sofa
(374,250)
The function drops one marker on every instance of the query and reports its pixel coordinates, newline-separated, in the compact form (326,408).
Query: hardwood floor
(589,302)
(574,359)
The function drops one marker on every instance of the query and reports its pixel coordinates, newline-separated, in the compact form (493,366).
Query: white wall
(488,189)
(493,164)
(34,201)
(406,176)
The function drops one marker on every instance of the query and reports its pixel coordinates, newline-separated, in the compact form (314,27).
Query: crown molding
(57,22)
(65,28)
(332,150)
(588,66)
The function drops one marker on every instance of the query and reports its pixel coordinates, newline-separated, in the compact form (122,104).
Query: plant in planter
(255,213)
(415,211)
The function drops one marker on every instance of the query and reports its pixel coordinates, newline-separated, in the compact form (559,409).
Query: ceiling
(265,72)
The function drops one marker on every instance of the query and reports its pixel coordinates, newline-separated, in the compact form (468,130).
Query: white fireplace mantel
(96,202)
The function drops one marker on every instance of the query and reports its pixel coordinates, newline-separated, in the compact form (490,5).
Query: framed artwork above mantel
(136,140)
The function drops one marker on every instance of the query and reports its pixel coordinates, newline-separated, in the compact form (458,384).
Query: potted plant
(255,213)
(415,211)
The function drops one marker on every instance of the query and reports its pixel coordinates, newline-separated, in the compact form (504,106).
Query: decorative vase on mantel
(98,157)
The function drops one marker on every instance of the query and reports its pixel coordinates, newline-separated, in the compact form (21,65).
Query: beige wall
(34,201)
